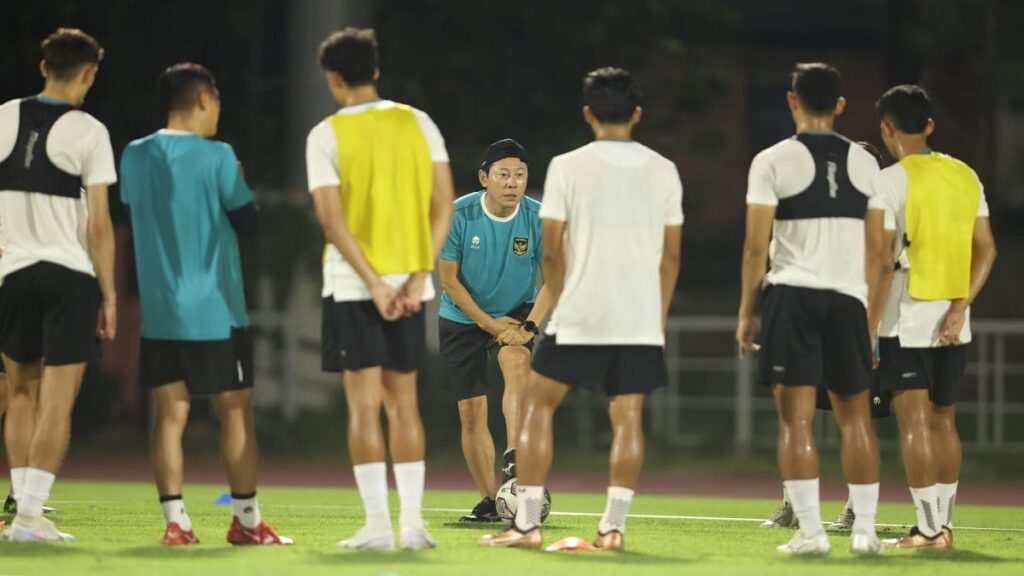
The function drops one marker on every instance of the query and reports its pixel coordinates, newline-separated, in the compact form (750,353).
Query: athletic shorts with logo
(49,312)
(465,348)
(814,337)
(616,369)
(206,366)
(940,370)
(355,336)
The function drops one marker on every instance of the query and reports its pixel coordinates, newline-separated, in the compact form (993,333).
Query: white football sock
(35,493)
(247,510)
(926,502)
(806,503)
(528,507)
(372,480)
(17,481)
(947,501)
(174,512)
(864,502)
(410,478)
(785,495)
(615,510)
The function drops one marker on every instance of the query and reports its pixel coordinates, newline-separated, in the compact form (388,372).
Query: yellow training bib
(386,184)
(943,195)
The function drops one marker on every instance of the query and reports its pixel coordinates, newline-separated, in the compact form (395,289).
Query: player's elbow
(99,229)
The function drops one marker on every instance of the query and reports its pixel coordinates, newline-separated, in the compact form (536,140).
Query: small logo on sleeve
(520,244)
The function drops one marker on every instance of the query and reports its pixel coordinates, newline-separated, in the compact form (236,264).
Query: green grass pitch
(118,526)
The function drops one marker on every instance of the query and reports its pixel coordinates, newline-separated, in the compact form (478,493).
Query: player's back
(178,187)
(820,184)
(616,198)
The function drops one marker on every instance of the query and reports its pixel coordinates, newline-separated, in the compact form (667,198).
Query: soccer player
(57,272)
(814,190)
(382,187)
(937,225)
(188,202)
(488,271)
(611,229)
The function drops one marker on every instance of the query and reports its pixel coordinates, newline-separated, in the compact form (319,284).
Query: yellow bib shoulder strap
(943,195)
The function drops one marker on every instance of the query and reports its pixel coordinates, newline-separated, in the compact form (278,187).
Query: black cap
(507,148)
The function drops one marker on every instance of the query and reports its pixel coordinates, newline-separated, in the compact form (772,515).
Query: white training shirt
(37,227)
(340,279)
(616,198)
(817,248)
(915,322)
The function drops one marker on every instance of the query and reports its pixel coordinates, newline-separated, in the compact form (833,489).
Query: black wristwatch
(531,326)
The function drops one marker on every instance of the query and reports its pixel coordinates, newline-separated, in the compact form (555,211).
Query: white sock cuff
(947,487)
(620,493)
(864,487)
(531,491)
(36,477)
(370,468)
(403,467)
(792,486)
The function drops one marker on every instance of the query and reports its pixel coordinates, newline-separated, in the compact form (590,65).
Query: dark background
(715,75)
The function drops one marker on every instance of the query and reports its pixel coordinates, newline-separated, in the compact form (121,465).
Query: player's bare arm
(878,266)
(983,256)
(755,259)
(329,214)
(448,270)
(669,269)
(553,260)
(441,210)
(101,251)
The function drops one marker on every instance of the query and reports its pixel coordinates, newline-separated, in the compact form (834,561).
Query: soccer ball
(508,499)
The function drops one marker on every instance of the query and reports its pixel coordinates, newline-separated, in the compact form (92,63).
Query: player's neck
(612,131)
(184,123)
(361,95)
(911,145)
(62,92)
(496,209)
(808,123)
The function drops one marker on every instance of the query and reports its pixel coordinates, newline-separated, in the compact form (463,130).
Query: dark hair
(507,148)
(66,50)
(908,106)
(818,86)
(180,84)
(352,53)
(871,149)
(612,94)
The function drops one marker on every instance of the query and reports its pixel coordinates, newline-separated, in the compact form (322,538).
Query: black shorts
(614,368)
(206,366)
(938,370)
(49,312)
(355,336)
(464,348)
(814,338)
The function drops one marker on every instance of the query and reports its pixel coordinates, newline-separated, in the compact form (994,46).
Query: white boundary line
(572,514)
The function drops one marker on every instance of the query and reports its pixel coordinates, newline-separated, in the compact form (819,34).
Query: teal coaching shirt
(179,187)
(498,257)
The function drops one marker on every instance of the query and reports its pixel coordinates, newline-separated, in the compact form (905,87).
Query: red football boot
(261,535)
(175,536)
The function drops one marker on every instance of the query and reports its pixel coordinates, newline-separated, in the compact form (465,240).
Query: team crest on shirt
(520,244)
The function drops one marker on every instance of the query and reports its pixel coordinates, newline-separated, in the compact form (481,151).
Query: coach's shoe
(261,535)
(365,540)
(783,517)
(844,522)
(485,511)
(35,530)
(803,545)
(508,466)
(513,538)
(612,540)
(174,535)
(865,543)
(416,539)
(11,506)
(941,541)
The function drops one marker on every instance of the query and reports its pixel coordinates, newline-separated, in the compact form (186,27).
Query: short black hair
(908,106)
(352,53)
(818,86)
(612,94)
(66,50)
(506,148)
(179,86)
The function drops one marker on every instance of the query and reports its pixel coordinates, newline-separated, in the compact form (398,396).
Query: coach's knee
(514,359)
